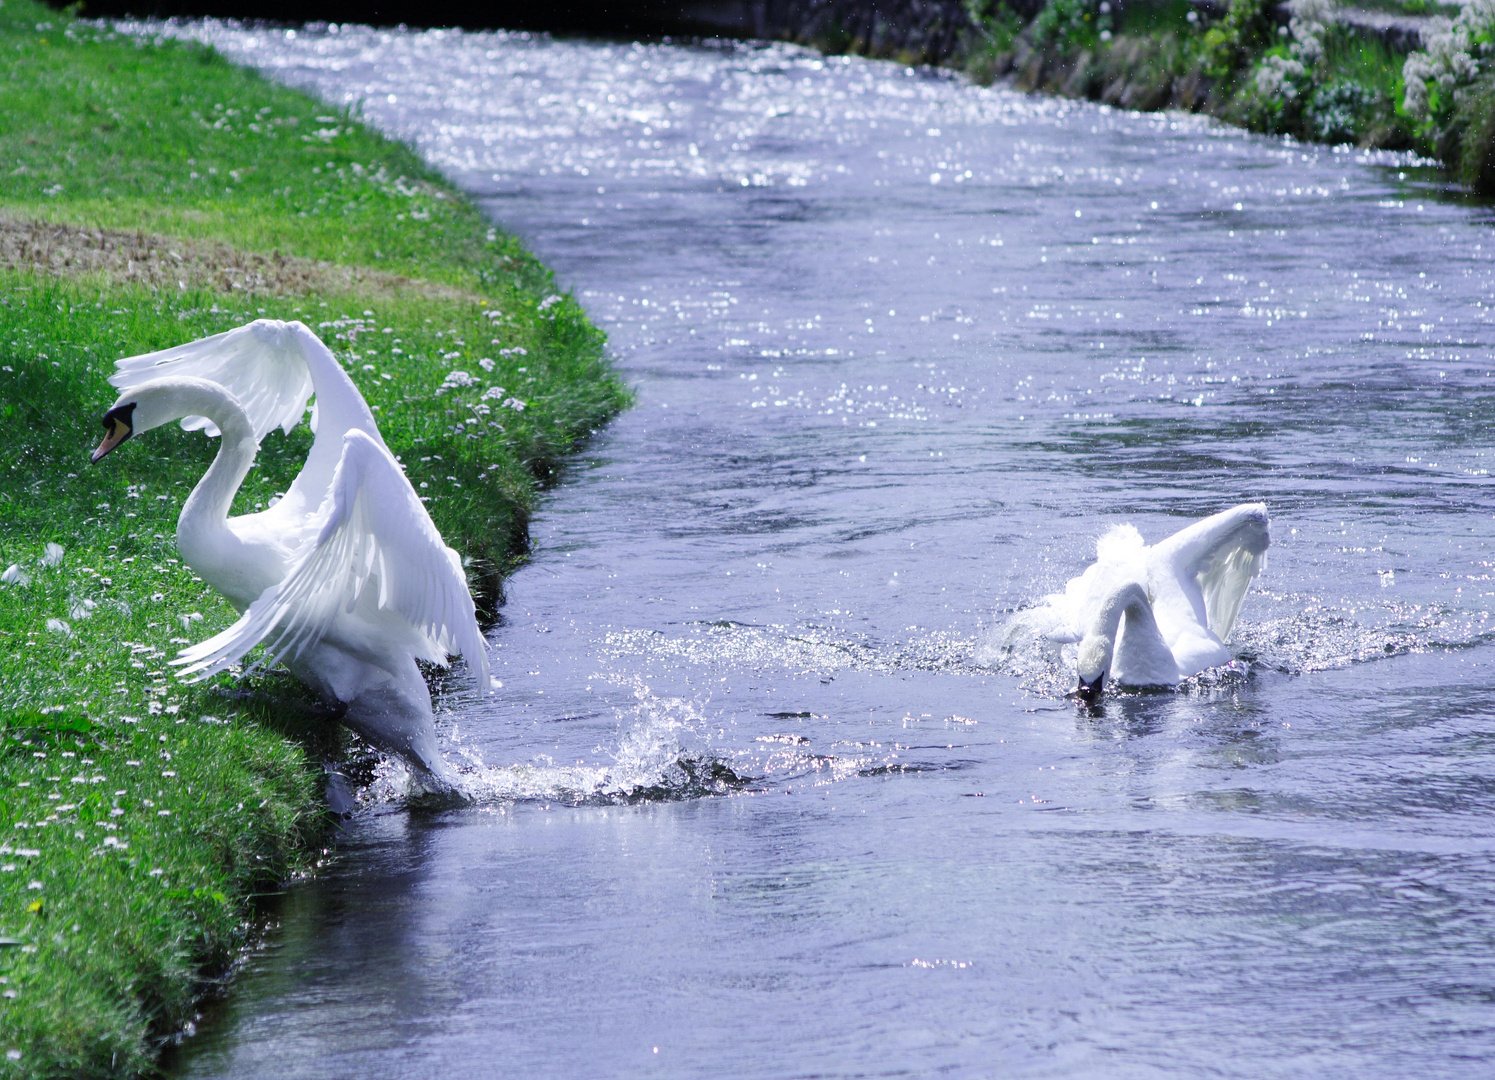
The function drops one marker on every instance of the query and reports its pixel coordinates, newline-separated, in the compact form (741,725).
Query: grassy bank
(1307,69)
(152,193)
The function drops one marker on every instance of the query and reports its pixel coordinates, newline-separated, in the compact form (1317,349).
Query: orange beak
(117,429)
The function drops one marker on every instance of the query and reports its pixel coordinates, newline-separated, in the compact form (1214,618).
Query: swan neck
(205,512)
(1129,598)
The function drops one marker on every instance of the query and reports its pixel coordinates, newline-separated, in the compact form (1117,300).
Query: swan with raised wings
(345,579)
(1152,616)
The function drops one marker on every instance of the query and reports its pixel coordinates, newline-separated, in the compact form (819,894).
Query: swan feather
(1155,614)
(261,364)
(371,531)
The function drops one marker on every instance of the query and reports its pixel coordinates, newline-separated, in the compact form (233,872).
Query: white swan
(1150,616)
(345,579)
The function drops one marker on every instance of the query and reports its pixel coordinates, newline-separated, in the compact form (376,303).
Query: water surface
(759,796)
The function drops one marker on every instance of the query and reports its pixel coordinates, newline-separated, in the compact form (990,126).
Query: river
(762,795)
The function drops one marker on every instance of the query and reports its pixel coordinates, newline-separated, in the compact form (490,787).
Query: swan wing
(261,364)
(1221,556)
(374,542)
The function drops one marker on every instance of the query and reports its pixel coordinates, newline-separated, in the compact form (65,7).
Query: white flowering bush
(1458,49)
(1284,74)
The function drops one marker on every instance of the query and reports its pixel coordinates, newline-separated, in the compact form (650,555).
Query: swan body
(1153,615)
(345,579)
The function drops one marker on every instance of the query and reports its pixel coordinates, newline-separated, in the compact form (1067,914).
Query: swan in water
(1151,616)
(345,579)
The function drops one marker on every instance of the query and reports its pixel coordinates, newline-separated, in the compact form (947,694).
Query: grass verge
(153,193)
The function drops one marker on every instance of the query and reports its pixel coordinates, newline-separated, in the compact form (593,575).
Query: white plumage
(345,579)
(1150,616)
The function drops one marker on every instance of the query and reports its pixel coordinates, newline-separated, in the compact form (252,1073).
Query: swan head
(161,401)
(1094,662)
(119,425)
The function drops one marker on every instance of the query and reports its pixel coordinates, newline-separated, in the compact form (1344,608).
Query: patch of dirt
(166,262)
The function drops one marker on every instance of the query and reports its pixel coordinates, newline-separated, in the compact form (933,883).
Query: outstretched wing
(263,364)
(372,534)
(1223,553)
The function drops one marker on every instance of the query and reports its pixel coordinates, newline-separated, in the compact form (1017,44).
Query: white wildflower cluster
(1283,76)
(496,393)
(1451,59)
(1310,21)
(462,380)
(455,380)
(1275,78)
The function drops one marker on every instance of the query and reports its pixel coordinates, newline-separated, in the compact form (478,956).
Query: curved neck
(1098,648)
(205,512)
(1129,600)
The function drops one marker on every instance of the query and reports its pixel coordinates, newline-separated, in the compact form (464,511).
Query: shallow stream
(761,794)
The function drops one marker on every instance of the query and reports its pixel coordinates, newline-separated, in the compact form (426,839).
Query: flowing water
(762,795)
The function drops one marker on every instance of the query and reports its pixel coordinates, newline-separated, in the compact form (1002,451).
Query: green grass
(170,137)
(140,817)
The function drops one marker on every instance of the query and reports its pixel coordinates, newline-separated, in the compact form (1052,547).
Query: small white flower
(53,554)
(14,575)
(455,380)
(486,363)
(59,626)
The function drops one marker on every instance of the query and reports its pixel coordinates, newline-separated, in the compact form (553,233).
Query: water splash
(663,754)
(1298,635)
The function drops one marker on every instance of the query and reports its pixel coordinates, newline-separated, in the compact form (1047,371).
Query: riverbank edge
(1197,57)
(156,193)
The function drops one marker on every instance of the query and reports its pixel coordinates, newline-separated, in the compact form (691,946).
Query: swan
(345,579)
(1152,616)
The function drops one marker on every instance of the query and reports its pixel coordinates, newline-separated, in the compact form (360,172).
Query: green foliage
(1334,85)
(996,22)
(138,816)
(1158,18)
(1336,112)
(1477,136)
(1072,24)
(1231,45)
(997,27)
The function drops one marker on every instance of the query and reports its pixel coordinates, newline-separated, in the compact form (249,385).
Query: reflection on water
(759,798)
